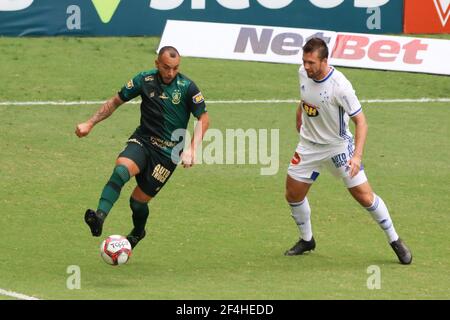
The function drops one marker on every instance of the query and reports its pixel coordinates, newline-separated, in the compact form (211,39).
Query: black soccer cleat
(301,247)
(402,251)
(134,239)
(95,221)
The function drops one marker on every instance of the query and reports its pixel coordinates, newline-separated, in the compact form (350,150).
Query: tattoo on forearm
(104,112)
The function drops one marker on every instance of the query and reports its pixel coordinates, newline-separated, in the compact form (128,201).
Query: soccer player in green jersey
(153,150)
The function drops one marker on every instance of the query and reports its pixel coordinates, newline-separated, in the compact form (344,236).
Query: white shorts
(310,158)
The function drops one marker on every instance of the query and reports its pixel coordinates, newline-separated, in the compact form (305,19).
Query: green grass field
(215,231)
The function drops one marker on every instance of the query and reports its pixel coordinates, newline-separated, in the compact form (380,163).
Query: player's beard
(314,75)
(320,74)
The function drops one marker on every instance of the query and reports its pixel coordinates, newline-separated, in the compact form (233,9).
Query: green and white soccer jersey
(327,107)
(165,108)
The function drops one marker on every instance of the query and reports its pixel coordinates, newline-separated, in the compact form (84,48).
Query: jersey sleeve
(131,89)
(347,98)
(196,101)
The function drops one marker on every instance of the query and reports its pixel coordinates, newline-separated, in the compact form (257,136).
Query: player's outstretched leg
(380,214)
(111,191)
(378,210)
(109,196)
(95,221)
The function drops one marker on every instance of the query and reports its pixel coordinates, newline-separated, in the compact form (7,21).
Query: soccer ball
(115,250)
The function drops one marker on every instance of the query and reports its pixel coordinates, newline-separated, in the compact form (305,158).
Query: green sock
(140,215)
(111,191)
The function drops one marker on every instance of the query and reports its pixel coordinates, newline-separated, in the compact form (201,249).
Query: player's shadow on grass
(319,261)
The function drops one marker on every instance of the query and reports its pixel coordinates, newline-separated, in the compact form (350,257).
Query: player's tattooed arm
(106,109)
(104,112)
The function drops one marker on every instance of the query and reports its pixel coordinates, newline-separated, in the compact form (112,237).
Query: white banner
(239,42)
(284,45)
(392,53)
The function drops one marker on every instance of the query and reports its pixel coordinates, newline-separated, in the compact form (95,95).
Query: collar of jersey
(164,84)
(327,77)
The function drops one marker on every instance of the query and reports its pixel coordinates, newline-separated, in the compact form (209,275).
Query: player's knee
(132,167)
(122,174)
(140,195)
(291,196)
(136,205)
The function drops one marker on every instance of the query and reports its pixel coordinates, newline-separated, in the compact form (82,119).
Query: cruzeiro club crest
(176,97)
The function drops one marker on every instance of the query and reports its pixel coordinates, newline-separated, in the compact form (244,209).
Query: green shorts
(155,169)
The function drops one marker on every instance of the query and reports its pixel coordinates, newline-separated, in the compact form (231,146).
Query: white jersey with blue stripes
(327,106)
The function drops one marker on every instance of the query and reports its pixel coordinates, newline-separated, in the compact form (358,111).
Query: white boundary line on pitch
(16,295)
(273,101)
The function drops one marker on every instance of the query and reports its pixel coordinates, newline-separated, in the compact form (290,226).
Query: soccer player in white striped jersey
(328,102)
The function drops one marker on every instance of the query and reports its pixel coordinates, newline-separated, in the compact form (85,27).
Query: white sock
(301,212)
(380,214)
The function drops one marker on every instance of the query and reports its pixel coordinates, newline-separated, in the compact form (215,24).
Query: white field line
(271,101)
(16,295)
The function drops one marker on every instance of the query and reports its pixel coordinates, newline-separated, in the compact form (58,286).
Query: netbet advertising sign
(284,45)
(148,17)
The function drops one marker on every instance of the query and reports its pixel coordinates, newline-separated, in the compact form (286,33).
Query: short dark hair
(316,44)
(173,52)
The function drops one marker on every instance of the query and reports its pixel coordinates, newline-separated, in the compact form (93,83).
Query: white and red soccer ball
(115,250)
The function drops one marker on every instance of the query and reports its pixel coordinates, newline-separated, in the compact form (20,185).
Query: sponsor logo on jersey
(149,78)
(296,159)
(160,173)
(162,143)
(176,97)
(163,96)
(130,84)
(135,141)
(310,110)
(198,98)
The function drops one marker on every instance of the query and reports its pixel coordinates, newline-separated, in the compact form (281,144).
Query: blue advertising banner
(148,17)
